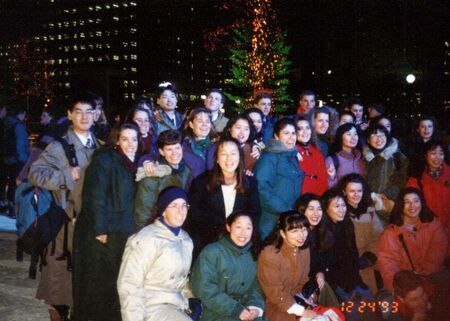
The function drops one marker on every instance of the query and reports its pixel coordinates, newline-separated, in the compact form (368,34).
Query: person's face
(228,157)
(353,193)
(141,118)
(385,123)
(307,102)
(167,100)
(45,118)
(321,123)
(241,230)
(373,112)
(337,209)
(377,140)
(350,139)
(82,117)
(345,119)
(240,130)
(264,104)
(295,237)
(172,154)
(417,301)
(435,158)
(213,102)
(314,213)
(287,136)
(303,131)
(176,212)
(256,120)
(425,129)
(358,111)
(98,111)
(201,125)
(412,206)
(128,142)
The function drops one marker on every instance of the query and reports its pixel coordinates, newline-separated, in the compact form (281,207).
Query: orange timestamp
(369,306)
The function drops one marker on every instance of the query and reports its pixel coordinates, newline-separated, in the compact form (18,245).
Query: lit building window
(59,37)
(133,30)
(99,59)
(67,84)
(97,8)
(125,96)
(91,59)
(98,20)
(125,44)
(90,8)
(82,35)
(133,44)
(133,69)
(51,25)
(125,83)
(75,59)
(91,46)
(66,24)
(82,47)
(133,96)
(133,57)
(116,18)
(107,6)
(133,4)
(116,57)
(98,33)
(74,23)
(81,22)
(115,5)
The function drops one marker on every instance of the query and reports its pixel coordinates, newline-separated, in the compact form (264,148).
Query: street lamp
(410,78)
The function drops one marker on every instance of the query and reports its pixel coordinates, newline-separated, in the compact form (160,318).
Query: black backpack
(45,227)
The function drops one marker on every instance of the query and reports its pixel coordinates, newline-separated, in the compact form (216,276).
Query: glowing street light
(410,78)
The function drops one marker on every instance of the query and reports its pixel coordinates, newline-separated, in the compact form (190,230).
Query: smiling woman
(104,224)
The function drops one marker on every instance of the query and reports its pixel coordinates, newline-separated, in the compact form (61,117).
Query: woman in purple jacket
(347,157)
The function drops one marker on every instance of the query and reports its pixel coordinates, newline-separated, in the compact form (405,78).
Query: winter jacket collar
(387,153)
(276,146)
(226,241)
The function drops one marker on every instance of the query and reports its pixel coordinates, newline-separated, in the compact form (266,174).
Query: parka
(436,191)
(206,217)
(313,165)
(148,189)
(224,279)
(17,147)
(52,172)
(154,274)
(280,181)
(368,229)
(163,122)
(220,122)
(426,243)
(386,172)
(281,274)
(194,162)
(108,195)
(349,162)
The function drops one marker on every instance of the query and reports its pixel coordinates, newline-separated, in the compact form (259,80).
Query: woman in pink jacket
(415,230)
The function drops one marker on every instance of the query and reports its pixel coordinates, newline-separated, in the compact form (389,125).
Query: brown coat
(281,274)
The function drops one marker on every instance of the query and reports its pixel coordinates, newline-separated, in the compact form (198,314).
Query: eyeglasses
(378,135)
(79,112)
(183,207)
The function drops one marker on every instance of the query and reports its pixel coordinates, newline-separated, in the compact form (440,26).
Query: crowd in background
(200,216)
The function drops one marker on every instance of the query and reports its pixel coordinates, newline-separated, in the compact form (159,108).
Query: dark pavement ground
(17,291)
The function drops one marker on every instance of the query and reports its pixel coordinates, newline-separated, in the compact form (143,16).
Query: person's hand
(245,315)
(309,314)
(331,171)
(75,171)
(248,172)
(320,278)
(299,157)
(256,153)
(364,126)
(149,168)
(254,314)
(102,238)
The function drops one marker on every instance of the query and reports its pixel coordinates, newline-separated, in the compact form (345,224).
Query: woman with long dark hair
(104,224)
(224,275)
(346,157)
(415,239)
(141,116)
(217,193)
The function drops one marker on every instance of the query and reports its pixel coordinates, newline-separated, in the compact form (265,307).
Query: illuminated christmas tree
(259,59)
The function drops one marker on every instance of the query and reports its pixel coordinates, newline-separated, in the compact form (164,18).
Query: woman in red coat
(311,159)
(434,181)
(423,235)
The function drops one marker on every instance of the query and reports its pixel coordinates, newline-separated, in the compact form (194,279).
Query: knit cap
(167,196)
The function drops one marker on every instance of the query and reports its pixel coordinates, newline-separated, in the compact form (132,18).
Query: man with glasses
(54,172)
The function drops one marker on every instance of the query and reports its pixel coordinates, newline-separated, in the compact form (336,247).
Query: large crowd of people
(258,216)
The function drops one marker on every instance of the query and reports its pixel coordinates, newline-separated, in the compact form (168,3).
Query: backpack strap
(69,151)
(402,242)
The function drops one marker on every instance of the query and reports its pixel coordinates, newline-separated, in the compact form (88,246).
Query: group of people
(256,217)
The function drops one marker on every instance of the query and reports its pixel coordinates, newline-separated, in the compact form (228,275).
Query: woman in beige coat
(283,268)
